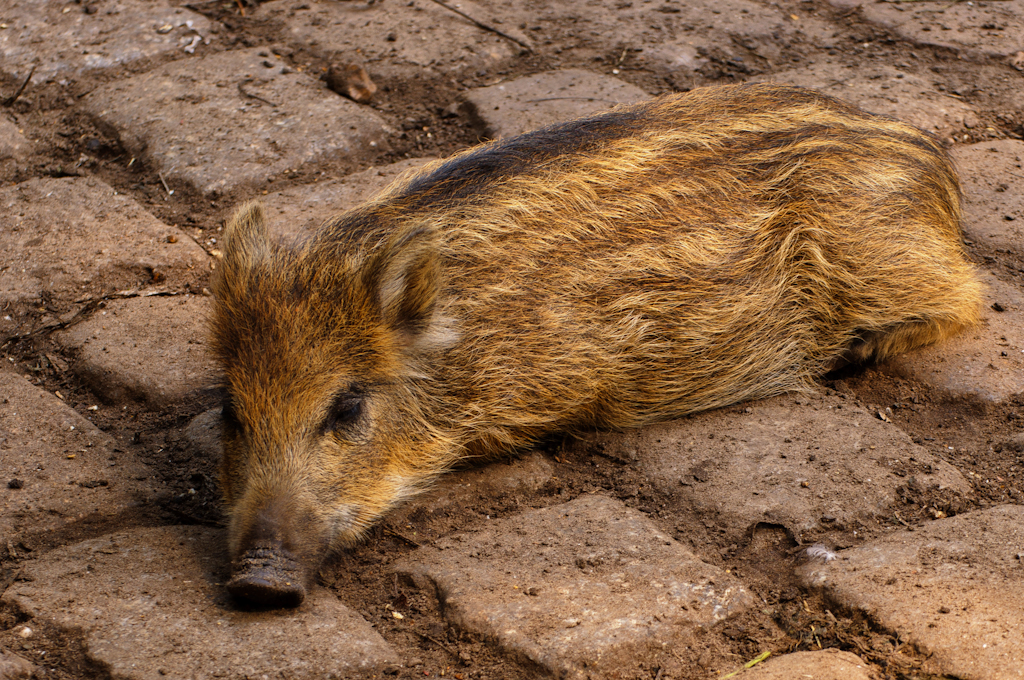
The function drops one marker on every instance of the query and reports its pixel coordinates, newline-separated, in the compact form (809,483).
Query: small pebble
(25,632)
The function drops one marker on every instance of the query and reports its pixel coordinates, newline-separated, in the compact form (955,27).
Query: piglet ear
(404,275)
(246,240)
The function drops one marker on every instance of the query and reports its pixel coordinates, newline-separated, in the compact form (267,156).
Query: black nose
(268,577)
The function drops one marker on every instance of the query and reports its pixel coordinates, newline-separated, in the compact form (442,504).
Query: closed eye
(345,410)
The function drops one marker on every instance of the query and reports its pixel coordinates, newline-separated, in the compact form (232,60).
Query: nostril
(271,593)
(268,577)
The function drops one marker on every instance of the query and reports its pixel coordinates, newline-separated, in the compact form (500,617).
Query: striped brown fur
(678,255)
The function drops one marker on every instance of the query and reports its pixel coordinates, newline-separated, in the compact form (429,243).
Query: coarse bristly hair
(677,255)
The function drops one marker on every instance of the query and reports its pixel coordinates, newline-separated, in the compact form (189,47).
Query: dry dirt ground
(97,134)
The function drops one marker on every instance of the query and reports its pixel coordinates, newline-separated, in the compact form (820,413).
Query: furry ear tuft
(246,239)
(404,275)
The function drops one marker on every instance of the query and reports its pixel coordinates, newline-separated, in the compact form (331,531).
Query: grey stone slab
(67,470)
(295,212)
(671,37)
(806,462)
(203,434)
(887,90)
(828,664)
(13,144)
(150,604)
(76,238)
(406,39)
(151,349)
(976,28)
(950,588)
(993,182)
(63,39)
(986,361)
(583,589)
(233,119)
(14,667)
(525,104)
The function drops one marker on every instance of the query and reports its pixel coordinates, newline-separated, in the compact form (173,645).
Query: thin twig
(579,99)
(245,93)
(484,26)
(391,532)
(10,100)
(439,644)
(196,5)
(82,314)
(170,192)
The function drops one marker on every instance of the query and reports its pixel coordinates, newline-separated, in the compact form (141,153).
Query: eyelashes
(345,411)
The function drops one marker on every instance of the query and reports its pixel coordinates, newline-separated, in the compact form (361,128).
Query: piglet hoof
(267,578)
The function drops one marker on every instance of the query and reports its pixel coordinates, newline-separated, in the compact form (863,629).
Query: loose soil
(983,440)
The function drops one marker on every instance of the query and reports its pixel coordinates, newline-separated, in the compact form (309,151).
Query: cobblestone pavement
(871,529)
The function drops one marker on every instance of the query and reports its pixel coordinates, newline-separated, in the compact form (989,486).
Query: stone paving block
(806,462)
(14,667)
(828,664)
(525,104)
(65,39)
(297,211)
(677,37)
(886,90)
(987,361)
(57,468)
(583,589)
(950,588)
(993,182)
(407,39)
(13,144)
(233,119)
(978,28)
(74,238)
(150,604)
(203,434)
(151,349)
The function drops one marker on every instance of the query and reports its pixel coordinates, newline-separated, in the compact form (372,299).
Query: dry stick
(439,644)
(391,532)
(246,93)
(164,182)
(195,6)
(10,100)
(580,99)
(484,26)
(91,305)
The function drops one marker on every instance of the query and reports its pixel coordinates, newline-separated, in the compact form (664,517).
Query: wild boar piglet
(677,255)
